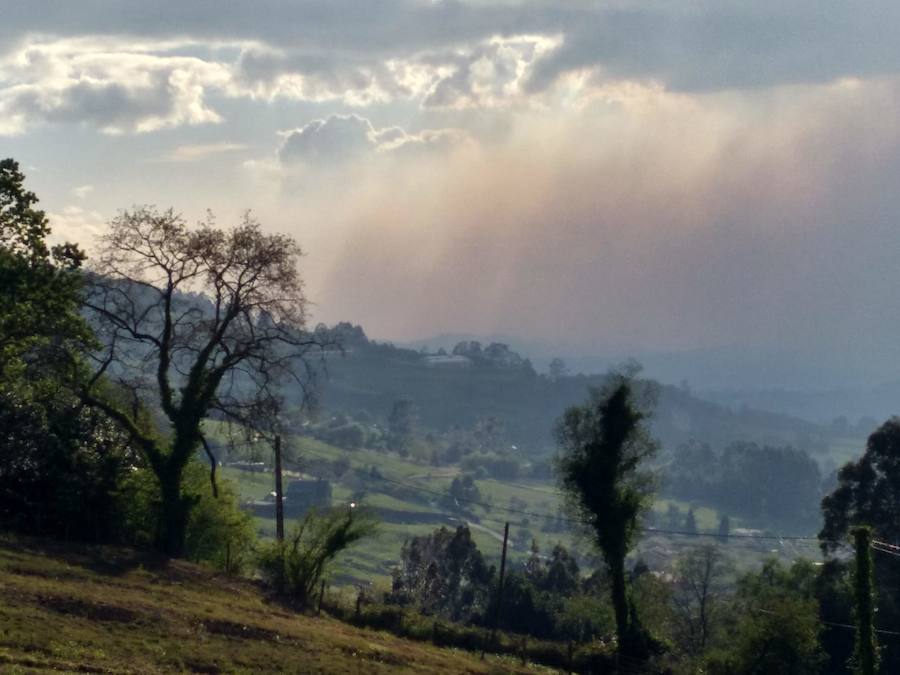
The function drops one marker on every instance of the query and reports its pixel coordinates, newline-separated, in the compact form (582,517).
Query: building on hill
(448,361)
(299,497)
(302,495)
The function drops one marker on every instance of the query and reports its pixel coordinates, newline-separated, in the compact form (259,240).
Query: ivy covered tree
(194,322)
(868,494)
(603,446)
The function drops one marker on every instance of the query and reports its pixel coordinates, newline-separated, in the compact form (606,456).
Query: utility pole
(866,651)
(496,621)
(279,492)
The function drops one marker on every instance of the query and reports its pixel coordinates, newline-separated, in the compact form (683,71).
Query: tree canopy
(602,446)
(195,322)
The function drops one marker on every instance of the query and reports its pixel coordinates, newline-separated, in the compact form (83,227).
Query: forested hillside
(492,381)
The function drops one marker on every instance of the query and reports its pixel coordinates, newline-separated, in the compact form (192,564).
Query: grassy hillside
(412,488)
(110,610)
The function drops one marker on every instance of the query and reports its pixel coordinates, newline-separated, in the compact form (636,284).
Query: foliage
(61,466)
(549,600)
(775,625)
(865,652)
(193,356)
(218,533)
(401,426)
(868,491)
(296,566)
(602,446)
(772,486)
(444,574)
(39,322)
(462,493)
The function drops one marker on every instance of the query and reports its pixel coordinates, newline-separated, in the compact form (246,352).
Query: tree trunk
(620,602)
(173,516)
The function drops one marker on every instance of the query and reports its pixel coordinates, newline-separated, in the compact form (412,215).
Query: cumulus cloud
(339,138)
(348,46)
(268,73)
(76,224)
(489,75)
(106,85)
(140,70)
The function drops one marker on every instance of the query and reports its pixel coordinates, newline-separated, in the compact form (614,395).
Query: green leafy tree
(868,491)
(868,494)
(194,322)
(39,285)
(603,445)
(776,625)
(401,426)
(444,573)
(60,465)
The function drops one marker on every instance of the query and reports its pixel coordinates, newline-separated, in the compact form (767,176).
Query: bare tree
(195,322)
(698,590)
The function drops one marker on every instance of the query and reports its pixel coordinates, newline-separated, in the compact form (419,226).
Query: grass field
(70,609)
(411,487)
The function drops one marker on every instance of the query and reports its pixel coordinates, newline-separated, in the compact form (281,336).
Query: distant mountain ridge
(373,375)
(797,383)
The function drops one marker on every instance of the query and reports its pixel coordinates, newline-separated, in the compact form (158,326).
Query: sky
(612,177)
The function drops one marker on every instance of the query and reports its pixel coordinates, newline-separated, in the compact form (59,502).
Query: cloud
(106,85)
(76,224)
(489,75)
(137,70)
(714,46)
(197,152)
(321,51)
(340,138)
(82,191)
(655,221)
(337,138)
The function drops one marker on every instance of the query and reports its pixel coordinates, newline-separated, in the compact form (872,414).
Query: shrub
(295,566)
(219,532)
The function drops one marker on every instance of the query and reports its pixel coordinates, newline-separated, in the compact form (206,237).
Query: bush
(60,467)
(295,566)
(219,532)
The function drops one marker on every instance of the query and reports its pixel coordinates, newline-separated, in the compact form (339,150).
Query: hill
(475,381)
(113,610)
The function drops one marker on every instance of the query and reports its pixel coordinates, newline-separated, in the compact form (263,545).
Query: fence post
(496,617)
(279,492)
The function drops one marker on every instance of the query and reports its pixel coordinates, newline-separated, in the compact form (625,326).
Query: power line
(893,547)
(833,623)
(885,550)
(559,518)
